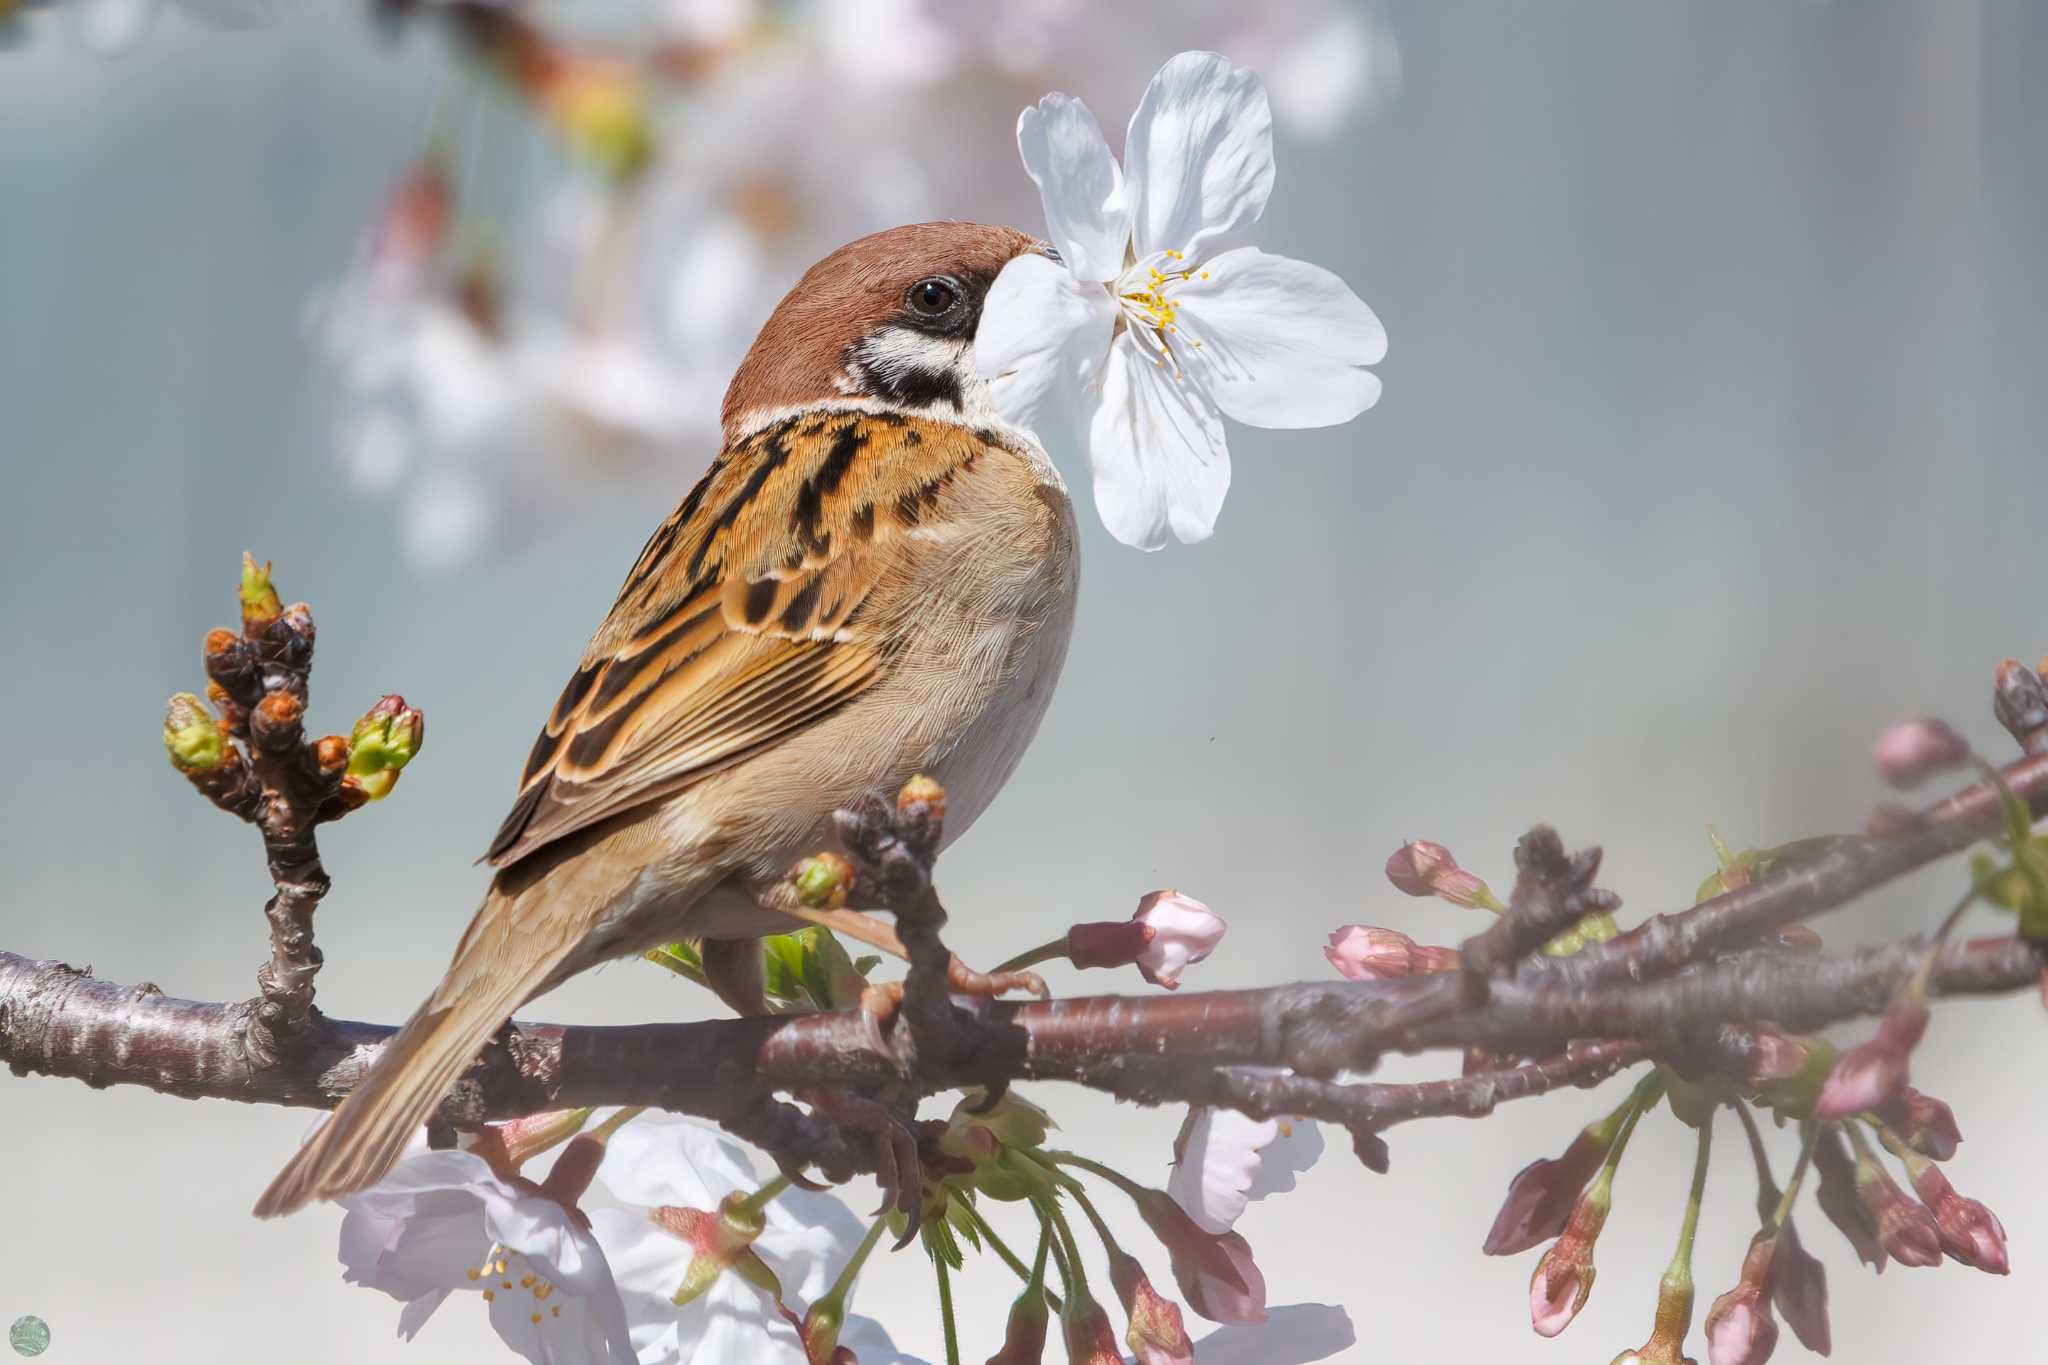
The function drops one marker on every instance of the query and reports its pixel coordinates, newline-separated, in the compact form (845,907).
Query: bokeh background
(1710,443)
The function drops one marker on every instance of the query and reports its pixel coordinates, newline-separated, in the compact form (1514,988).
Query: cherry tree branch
(1703,988)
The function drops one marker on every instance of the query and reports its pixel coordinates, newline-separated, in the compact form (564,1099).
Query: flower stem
(1808,1138)
(1077,1277)
(763,1197)
(1681,1259)
(946,1309)
(843,1285)
(604,1131)
(1044,952)
(1094,1168)
(1766,1186)
(1009,1257)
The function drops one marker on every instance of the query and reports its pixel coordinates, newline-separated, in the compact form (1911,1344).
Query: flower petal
(1283,343)
(1157,450)
(1200,156)
(1087,208)
(1217,1164)
(1042,340)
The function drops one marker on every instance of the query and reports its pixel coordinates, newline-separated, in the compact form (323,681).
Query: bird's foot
(898,1169)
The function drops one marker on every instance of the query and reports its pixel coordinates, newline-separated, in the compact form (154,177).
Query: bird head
(888,319)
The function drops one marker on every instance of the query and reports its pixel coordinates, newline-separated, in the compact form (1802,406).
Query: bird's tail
(496,969)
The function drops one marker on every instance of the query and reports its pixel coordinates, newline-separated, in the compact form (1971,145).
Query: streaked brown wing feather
(742,622)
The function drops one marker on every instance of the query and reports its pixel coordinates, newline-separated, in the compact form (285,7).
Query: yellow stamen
(490,1294)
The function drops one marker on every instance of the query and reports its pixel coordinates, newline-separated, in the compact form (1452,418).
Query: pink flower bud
(1024,1334)
(412,224)
(1871,1075)
(1420,868)
(1914,750)
(1215,1271)
(1542,1194)
(1970,1232)
(1906,1228)
(1090,1339)
(1184,931)
(1365,953)
(1927,1125)
(1564,1277)
(1740,1329)
(1156,1334)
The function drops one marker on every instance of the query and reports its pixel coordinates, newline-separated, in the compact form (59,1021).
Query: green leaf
(867,962)
(782,964)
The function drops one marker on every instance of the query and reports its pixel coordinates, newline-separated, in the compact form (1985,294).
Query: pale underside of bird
(875,579)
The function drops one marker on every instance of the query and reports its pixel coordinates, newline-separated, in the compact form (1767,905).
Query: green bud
(1597,927)
(191,737)
(260,605)
(386,739)
(822,882)
(1011,1178)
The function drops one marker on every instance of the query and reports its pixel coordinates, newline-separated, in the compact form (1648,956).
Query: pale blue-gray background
(1711,441)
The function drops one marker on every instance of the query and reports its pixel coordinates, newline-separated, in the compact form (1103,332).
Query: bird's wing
(743,620)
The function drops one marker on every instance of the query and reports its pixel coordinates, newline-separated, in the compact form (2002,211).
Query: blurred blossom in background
(528,331)
(1711,445)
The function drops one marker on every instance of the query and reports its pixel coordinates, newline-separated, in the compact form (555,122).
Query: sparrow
(874,579)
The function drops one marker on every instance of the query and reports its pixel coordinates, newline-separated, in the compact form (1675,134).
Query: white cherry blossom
(442,1222)
(1157,320)
(659,1162)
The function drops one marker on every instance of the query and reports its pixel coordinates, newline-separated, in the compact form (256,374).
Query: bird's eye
(931,298)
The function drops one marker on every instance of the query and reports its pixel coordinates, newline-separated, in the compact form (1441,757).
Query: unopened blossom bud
(1912,751)
(1215,1271)
(922,791)
(1364,952)
(1926,1124)
(1024,1334)
(1564,1277)
(1970,1232)
(2021,702)
(414,221)
(1089,1337)
(1839,1200)
(1871,1074)
(1543,1193)
(1905,1227)
(1184,931)
(260,604)
(1155,1334)
(1420,868)
(823,881)
(192,738)
(387,738)
(1740,1329)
